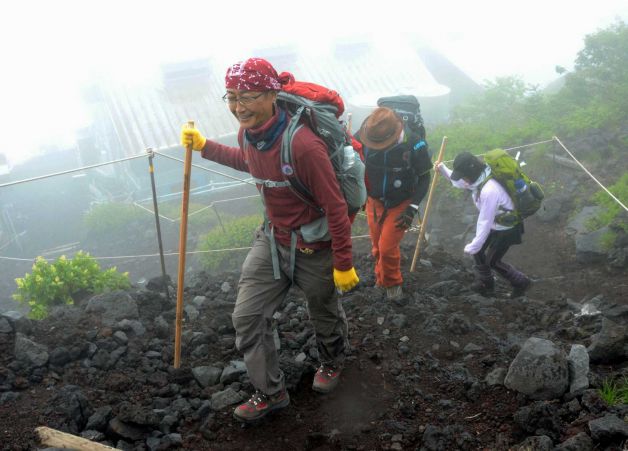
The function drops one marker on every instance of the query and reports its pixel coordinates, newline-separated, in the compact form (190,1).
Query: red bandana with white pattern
(253,74)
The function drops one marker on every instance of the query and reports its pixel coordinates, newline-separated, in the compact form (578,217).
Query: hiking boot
(518,280)
(260,405)
(520,289)
(484,283)
(482,288)
(394,293)
(326,379)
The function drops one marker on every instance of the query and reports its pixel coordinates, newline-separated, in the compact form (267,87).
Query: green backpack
(526,195)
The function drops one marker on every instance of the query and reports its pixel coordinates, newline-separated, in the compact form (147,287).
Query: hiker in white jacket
(492,239)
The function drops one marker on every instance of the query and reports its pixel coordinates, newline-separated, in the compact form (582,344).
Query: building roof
(151,115)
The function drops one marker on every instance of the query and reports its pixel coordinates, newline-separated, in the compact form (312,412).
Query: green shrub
(509,112)
(611,209)
(104,220)
(238,233)
(608,240)
(614,392)
(60,282)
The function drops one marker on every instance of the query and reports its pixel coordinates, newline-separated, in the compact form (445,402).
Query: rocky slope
(441,369)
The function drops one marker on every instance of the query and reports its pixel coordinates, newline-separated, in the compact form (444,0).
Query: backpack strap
(505,217)
(271,183)
(269,229)
(265,183)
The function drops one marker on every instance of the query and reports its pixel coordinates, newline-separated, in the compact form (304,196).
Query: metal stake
(151,170)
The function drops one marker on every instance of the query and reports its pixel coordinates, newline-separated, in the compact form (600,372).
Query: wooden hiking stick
(183,234)
(58,439)
(417,249)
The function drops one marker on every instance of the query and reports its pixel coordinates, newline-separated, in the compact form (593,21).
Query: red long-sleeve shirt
(285,210)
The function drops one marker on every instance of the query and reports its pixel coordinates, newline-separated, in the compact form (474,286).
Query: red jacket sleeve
(229,156)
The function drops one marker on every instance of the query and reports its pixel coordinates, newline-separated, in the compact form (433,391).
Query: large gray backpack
(319,108)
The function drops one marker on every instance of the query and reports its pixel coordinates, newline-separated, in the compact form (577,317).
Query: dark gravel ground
(411,381)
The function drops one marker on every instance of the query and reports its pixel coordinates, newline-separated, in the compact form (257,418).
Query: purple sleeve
(488,209)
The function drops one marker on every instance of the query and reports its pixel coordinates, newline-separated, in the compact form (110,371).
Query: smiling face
(250,108)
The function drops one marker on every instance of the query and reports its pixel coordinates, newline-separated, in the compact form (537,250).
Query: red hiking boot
(326,379)
(260,405)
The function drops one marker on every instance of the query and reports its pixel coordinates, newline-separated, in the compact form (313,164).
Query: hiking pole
(151,169)
(417,249)
(349,122)
(183,232)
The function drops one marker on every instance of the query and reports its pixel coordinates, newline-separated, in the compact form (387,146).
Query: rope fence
(250,182)
(590,175)
(515,148)
(166,254)
(69,171)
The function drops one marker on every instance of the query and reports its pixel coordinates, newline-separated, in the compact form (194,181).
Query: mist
(52,51)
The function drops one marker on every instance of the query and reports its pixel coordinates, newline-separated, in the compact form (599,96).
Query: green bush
(611,208)
(509,112)
(62,281)
(237,233)
(614,392)
(104,220)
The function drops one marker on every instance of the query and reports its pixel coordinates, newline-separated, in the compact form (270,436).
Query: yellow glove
(192,137)
(345,280)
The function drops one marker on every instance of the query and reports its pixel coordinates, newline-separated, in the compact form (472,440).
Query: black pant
(497,244)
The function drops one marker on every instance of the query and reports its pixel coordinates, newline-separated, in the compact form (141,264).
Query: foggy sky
(49,49)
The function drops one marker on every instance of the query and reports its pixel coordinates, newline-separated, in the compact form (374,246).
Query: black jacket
(399,173)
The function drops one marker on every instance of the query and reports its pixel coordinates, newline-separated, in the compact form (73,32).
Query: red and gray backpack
(320,109)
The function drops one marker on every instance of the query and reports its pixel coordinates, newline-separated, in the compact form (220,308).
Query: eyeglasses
(242,100)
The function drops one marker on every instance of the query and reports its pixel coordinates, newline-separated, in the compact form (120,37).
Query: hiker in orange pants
(398,175)
(385,239)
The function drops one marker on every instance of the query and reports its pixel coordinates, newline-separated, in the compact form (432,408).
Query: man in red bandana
(280,256)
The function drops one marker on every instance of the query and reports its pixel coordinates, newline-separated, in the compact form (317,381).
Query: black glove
(404,220)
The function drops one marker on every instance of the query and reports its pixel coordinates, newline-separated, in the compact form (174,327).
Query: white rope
(219,201)
(194,212)
(168,254)
(133,256)
(69,171)
(590,175)
(246,197)
(152,212)
(248,181)
(530,145)
(513,148)
(555,138)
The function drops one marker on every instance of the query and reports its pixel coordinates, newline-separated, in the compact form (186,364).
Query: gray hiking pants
(260,294)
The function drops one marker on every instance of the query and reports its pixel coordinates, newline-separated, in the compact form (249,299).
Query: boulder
(578,368)
(29,353)
(540,370)
(609,344)
(113,307)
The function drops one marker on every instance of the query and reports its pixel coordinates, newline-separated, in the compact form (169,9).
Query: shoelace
(327,370)
(257,398)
